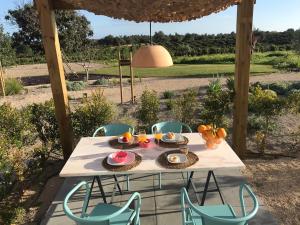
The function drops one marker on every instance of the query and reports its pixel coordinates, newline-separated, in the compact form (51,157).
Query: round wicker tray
(173,145)
(162,159)
(115,144)
(137,161)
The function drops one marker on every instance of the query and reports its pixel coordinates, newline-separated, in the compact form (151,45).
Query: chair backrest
(170,126)
(114,129)
(86,219)
(188,206)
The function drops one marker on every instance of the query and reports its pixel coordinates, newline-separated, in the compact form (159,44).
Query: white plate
(178,138)
(181,158)
(130,159)
(120,140)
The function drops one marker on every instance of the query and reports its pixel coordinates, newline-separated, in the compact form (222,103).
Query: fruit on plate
(145,143)
(170,135)
(127,135)
(212,135)
(125,139)
(120,156)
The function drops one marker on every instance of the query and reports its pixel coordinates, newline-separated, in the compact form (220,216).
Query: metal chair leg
(117,183)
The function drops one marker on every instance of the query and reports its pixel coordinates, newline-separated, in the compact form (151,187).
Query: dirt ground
(41,93)
(276,182)
(41,69)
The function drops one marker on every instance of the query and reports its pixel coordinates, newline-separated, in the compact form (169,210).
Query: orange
(221,133)
(127,135)
(208,127)
(218,140)
(201,128)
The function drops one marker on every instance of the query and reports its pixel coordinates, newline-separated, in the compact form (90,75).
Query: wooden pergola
(154,11)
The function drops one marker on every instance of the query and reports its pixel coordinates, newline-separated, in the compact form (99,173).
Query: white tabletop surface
(86,159)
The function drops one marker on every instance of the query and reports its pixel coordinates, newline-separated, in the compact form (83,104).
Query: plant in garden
(170,104)
(216,104)
(93,113)
(44,120)
(75,85)
(168,94)
(101,81)
(294,100)
(148,107)
(13,86)
(185,107)
(267,105)
(15,126)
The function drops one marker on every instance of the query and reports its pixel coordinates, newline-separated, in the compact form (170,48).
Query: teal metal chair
(216,214)
(115,129)
(104,214)
(170,126)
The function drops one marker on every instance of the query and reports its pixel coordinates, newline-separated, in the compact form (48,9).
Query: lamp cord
(150,36)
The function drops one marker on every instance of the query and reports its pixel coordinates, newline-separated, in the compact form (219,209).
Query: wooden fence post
(131,79)
(120,74)
(242,71)
(56,72)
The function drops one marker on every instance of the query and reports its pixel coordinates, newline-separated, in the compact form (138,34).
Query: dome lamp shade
(152,56)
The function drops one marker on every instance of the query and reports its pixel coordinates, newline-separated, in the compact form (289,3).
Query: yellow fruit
(221,133)
(201,128)
(127,135)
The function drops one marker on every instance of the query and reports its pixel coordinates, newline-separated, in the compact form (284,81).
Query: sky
(269,15)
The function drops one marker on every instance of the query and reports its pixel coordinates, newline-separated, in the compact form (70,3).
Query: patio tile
(169,217)
(159,206)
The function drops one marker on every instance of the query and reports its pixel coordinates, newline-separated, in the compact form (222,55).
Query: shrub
(148,108)
(216,105)
(13,86)
(281,88)
(294,100)
(15,126)
(75,85)
(267,105)
(168,94)
(101,81)
(185,107)
(44,120)
(170,104)
(93,113)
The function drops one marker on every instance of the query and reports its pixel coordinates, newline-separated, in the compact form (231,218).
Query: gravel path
(37,94)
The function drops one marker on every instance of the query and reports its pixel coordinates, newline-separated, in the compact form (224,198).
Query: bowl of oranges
(212,135)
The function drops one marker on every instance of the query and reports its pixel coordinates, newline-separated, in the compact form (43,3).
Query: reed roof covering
(148,10)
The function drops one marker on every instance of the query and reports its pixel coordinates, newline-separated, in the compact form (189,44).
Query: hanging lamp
(151,56)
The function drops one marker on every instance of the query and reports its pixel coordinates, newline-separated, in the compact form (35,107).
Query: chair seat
(221,211)
(106,210)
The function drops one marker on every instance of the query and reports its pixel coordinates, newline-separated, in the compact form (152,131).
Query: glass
(158,136)
(184,150)
(142,136)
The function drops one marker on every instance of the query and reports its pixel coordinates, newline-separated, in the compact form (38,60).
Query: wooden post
(242,71)
(56,72)
(2,84)
(120,73)
(131,79)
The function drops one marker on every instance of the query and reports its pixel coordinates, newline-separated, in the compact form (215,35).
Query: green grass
(186,70)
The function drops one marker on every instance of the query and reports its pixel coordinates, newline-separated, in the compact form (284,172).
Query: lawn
(186,70)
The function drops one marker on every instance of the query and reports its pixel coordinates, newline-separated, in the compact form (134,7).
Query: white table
(86,159)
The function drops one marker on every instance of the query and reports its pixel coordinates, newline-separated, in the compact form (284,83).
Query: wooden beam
(242,71)
(120,74)
(131,79)
(2,84)
(56,72)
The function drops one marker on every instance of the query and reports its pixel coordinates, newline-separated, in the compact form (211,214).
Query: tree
(7,53)
(73,29)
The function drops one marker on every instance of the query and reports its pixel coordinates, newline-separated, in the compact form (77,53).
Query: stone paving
(159,206)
